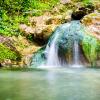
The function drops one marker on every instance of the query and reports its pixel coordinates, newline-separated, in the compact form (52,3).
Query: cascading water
(76,55)
(61,40)
(52,56)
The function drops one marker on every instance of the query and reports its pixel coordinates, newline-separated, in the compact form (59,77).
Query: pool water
(51,84)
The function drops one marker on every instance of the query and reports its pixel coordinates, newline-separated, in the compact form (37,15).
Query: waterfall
(76,55)
(61,40)
(52,56)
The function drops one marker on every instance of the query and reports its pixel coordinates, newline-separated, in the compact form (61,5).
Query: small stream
(51,84)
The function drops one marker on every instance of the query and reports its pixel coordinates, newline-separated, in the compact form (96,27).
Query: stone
(44,26)
(65,1)
(7,41)
(9,44)
(92,22)
(26,29)
(81,11)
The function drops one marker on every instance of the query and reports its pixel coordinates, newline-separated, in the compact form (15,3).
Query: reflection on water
(55,84)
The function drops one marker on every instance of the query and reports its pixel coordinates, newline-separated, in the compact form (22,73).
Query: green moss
(90,48)
(6,53)
(98,47)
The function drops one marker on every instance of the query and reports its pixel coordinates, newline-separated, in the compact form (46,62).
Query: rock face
(17,51)
(8,42)
(42,26)
(92,22)
(65,1)
(80,12)
(25,48)
(8,51)
(92,43)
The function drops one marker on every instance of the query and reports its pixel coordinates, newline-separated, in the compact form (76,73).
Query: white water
(53,59)
(52,54)
(76,55)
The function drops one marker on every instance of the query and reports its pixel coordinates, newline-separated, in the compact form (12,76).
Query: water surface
(53,84)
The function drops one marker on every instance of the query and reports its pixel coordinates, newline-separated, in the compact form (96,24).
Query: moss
(6,53)
(90,48)
(98,47)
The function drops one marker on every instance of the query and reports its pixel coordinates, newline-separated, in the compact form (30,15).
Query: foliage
(90,47)
(98,47)
(6,53)
(10,25)
(14,12)
(20,6)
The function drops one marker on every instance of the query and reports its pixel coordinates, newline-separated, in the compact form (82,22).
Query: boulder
(81,11)
(8,51)
(42,26)
(17,51)
(65,1)
(8,42)
(92,22)
(26,49)
(91,43)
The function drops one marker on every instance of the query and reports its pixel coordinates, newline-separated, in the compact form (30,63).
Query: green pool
(53,84)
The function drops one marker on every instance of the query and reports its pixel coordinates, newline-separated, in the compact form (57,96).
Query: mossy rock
(83,10)
(6,53)
(89,45)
